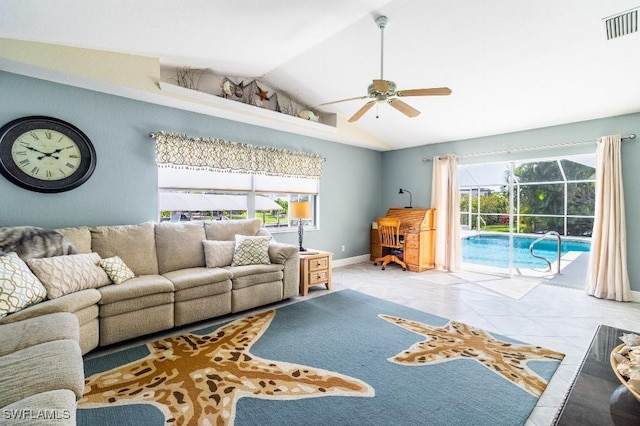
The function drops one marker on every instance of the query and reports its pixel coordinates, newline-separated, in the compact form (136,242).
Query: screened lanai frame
(476,180)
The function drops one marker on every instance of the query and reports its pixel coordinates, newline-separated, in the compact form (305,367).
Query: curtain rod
(533,148)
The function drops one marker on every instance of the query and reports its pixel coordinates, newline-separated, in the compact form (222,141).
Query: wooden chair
(389,233)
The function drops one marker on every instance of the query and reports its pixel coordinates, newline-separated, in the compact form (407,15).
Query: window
(186,194)
(548,195)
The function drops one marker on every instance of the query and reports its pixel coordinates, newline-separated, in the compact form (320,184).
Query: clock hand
(48,155)
(33,149)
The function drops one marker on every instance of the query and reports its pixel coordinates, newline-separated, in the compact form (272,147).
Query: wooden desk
(418,228)
(315,269)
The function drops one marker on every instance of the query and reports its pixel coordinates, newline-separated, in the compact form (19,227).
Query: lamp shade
(300,210)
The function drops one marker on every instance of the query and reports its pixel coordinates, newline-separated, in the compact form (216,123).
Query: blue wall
(405,168)
(123,188)
(357,184)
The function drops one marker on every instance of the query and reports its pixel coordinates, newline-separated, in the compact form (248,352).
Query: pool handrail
(537,256)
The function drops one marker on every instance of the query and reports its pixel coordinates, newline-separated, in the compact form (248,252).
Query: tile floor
(557,318)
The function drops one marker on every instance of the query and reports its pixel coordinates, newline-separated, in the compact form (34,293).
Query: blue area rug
(340,359)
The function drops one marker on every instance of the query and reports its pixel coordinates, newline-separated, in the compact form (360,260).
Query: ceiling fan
(385,90)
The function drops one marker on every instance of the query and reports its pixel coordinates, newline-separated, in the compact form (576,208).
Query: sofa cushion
(33,331)
(62,275)
(179,245)
(73,303)
(251,251)
(139,286)
(19,287)
(79,236)
(196,277)
(222,230)
(249,275)
(135,244)
(117,271)
(218,253)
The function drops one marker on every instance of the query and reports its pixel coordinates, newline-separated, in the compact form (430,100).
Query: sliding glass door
(505,206)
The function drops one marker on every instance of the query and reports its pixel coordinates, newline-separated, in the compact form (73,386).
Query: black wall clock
(45,154)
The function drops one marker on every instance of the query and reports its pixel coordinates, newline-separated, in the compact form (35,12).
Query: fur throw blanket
(31,242)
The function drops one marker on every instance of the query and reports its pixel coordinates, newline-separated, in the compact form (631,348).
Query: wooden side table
(315,269)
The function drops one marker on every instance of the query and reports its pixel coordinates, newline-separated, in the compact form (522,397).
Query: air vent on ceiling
(621,24)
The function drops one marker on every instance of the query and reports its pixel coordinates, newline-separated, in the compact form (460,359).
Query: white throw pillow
(62,275)
(19,287)
(218,253)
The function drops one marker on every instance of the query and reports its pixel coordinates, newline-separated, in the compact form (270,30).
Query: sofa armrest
(289,256)
(280,253)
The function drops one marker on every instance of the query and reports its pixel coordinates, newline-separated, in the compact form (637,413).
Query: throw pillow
(116,269)
(251,251)
(218,253)
(62,275)
(19,288)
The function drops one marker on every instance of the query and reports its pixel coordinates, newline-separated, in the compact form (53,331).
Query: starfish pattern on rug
(198,379)
(456,340)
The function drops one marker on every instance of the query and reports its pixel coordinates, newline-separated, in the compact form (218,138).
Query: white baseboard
(350,260)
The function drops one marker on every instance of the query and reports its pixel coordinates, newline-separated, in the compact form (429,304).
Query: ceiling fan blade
(344,100)
(406,109)
(366,107)
(381,86)
(434,91)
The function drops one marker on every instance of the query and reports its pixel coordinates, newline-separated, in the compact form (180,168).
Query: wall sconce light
(402,191)
(300,210)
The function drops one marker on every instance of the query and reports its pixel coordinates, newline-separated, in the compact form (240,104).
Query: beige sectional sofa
(172,285)
(181,273)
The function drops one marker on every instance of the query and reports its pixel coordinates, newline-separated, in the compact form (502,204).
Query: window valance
(180,151)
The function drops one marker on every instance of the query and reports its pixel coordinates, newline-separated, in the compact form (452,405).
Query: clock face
(45,154)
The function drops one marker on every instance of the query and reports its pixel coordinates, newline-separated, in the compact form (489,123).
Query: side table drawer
(318,276)
(320,263)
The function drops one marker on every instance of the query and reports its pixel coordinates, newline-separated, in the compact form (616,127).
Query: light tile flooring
(557,318)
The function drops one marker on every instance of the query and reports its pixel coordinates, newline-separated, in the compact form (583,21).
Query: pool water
(493,250)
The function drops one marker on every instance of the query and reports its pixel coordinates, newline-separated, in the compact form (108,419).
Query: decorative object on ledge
(300,210)
(248,91)
(188,77)
(308,115)
(180,151)
(402,191)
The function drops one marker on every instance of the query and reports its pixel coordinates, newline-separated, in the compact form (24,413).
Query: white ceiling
(512,64)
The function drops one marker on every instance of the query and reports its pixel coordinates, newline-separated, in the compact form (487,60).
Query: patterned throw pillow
(251,251)
(19,288)
(62,275)
(218,253)
(116,269)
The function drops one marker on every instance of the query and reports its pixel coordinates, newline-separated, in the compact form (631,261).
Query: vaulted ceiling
(511,64)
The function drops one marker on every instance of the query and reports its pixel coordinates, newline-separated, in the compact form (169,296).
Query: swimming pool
(493,250)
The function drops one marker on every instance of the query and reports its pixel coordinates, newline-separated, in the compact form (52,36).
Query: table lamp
(402,191)
(300,210)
